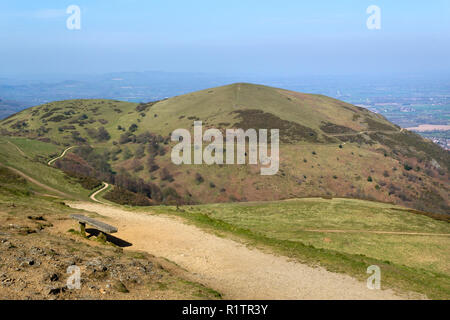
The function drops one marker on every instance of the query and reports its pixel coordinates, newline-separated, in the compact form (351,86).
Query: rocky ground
(34,261)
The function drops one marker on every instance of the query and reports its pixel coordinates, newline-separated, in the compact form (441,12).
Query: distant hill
(328,148)
(34,90)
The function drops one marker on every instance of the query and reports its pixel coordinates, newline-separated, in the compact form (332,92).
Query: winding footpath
(18,149)
(62,155)
(93,196)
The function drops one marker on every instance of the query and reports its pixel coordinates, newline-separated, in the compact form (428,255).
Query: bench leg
(102,236)
(83,229)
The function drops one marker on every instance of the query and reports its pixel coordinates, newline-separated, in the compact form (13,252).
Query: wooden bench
(100,226)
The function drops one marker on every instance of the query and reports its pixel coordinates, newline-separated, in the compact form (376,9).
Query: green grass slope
(30,157)
(342,235)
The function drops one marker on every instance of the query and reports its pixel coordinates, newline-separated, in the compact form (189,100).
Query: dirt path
(105,186)
(18,149)
(363,132)
(228,266)
(62,155)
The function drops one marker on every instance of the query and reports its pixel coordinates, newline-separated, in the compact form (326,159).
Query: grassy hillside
(31,157)
(219,106)
(328,148)
(290,220)
(342,235)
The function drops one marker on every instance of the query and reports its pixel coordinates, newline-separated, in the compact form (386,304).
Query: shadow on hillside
(117,241)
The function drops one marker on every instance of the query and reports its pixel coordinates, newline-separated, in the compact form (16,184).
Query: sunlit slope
(220,107)
(58,120)
(328,147)
(30,157)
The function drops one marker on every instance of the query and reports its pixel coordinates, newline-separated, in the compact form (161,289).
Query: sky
(284,37)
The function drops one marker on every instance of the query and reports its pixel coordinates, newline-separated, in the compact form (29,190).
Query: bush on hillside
(166,176)
(198,178)
(125,197)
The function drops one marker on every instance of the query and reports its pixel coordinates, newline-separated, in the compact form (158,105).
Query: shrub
(77,168)
(402,196)
(77,137)
(170,195)
(102,134)
(153,148)
(198,178)
(141,107)
(127,137)
(140,152)
(125,197)
(369,179)
(58,118)
(407,167)
(20,125)
(144,138)
(166,176)
(133,128)
(152,166)
(124,138)
(127,154)
(125,181)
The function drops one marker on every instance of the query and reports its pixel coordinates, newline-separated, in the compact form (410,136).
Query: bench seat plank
(92,222)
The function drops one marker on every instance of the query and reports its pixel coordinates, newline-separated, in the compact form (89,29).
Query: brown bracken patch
(289,131)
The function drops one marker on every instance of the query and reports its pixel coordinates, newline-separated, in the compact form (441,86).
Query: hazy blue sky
(232,36)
